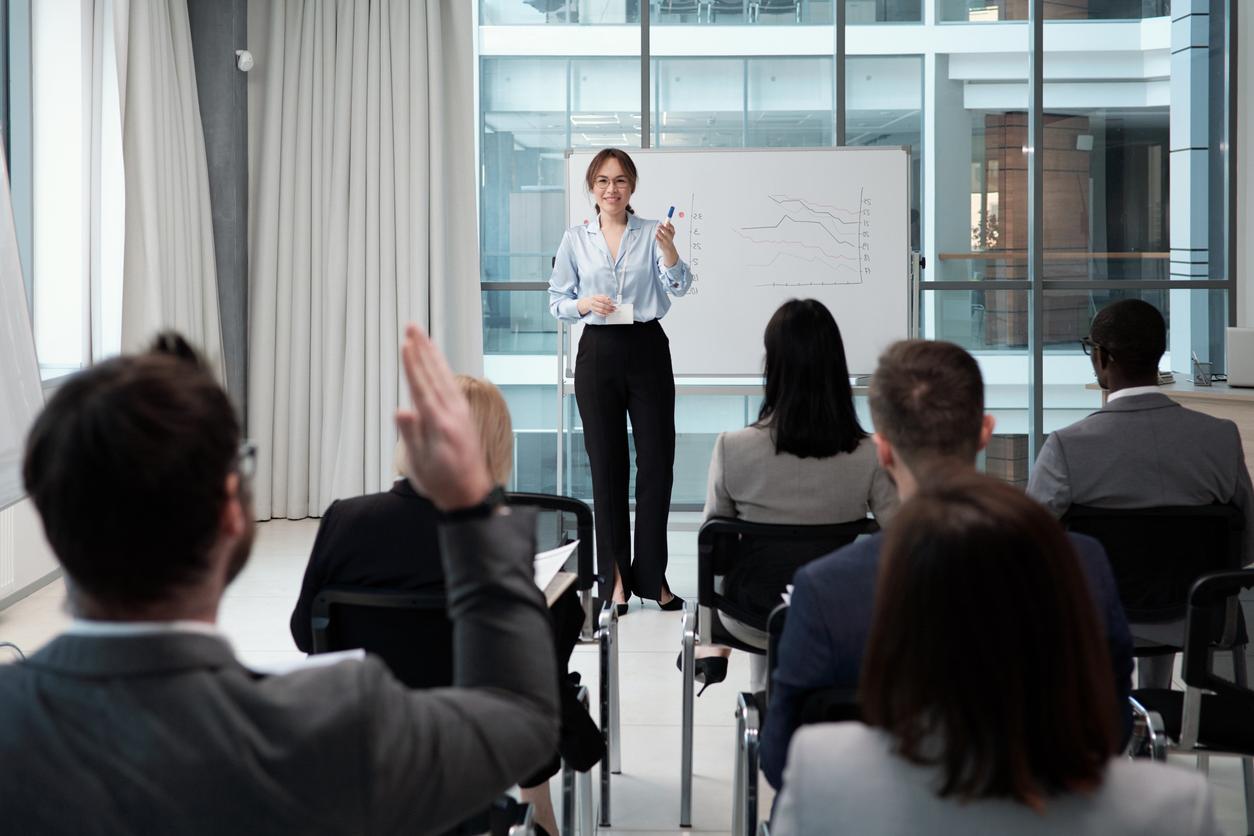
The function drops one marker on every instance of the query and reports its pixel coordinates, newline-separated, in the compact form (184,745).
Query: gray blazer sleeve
(883,499)
(718,503)
(435,757)
(1050,481)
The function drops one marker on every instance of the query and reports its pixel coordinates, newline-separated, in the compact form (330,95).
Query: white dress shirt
(1132,392)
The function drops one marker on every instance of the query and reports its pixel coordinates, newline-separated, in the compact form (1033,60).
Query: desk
(1222,401)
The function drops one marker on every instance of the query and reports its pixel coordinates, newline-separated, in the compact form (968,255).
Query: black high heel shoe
(707,670)
(672,606)
(621,609)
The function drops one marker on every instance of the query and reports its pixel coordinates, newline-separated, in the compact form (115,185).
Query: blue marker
(670,214)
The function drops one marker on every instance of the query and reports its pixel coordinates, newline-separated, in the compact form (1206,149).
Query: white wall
(26,559)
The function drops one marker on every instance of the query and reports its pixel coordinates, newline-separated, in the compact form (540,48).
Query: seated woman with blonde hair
(390,541)
(986,693)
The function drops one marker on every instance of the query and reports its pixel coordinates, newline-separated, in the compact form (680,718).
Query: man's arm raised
(439,756)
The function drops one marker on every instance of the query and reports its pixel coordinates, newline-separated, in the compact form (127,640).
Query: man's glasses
(1089,347)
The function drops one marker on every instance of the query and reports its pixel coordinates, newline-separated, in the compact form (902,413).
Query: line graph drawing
(817,209)
(812,233)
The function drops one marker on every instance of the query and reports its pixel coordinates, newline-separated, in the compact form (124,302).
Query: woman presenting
(615,275)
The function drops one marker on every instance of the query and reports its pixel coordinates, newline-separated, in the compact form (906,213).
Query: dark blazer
(382,540)
(829,623)
(167,732)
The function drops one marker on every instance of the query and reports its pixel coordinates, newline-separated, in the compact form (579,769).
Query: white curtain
(169,275)
(362,216)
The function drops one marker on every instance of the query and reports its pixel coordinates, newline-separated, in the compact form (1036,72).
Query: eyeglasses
(246,460)
(602,184)
(1089,347)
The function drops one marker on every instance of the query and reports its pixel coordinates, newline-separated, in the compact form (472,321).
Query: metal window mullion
(744,102)
(1230,151)
(1036,261)
(646,106)
(838,10)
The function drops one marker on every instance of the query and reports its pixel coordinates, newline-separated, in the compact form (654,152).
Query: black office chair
(755,561)
(1155,556)
(392,625)
(757,7)
(682,8)
(1213,715)
(412,634)
(824,705)
(565,509)
(505,817)
(601,625)
(728,8)
(750,718)
(409,631)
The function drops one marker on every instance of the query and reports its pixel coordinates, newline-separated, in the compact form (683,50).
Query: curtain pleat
(346,177)
(169,270)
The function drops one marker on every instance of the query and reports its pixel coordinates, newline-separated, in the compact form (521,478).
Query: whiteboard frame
(742,386)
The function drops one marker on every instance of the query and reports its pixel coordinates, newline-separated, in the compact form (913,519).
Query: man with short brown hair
(139,718)
(927,403)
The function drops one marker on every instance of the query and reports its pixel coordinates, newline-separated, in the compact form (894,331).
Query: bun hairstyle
(603,156)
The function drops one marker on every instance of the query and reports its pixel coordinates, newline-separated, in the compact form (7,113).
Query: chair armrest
(1149,735)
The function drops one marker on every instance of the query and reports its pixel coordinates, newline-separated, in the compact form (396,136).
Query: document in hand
(548,564)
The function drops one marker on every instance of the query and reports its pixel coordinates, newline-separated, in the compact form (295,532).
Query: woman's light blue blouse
(584,268)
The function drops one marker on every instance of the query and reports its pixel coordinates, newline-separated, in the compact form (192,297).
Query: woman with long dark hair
(616,275)
(805,461)
(986,692)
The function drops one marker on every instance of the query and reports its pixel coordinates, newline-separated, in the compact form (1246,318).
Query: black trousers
(623,370)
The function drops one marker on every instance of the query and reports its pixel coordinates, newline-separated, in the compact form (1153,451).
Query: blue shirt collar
(593,226)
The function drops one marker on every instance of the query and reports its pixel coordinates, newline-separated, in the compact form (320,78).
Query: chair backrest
(1157,553)
(565,508)
(757,561)
(777,6)
(1208,594)
(410,631)
(506,816)
(774,632)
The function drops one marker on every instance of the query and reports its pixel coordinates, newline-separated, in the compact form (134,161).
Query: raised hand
(446,462)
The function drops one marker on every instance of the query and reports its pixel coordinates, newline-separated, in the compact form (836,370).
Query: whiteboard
(21,396)
(760,227)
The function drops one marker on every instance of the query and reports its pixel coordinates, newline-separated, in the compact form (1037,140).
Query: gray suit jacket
(1145,451)
(750,481)
(168,733)
(843,778)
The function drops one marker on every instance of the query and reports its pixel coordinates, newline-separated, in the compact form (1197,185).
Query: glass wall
(1134,186)
(694,12)
(994,11)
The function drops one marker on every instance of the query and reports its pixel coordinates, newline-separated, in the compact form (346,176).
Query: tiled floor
(646,795)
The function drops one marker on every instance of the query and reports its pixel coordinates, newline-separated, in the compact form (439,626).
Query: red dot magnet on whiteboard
(681,214)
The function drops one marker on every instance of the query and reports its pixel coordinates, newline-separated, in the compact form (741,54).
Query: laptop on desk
(1241,356)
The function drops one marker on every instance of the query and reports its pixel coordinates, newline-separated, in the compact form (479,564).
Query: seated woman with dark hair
(805,461)
(989,708)
(391,541)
